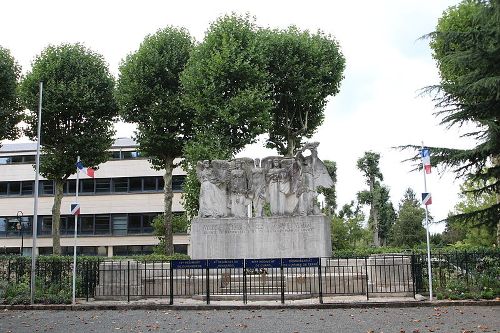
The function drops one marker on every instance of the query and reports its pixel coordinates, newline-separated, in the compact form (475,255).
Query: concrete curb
(343,305)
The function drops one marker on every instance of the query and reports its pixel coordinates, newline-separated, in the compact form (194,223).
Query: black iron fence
(275,278)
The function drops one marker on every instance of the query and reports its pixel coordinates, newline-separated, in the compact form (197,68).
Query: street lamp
(19,228)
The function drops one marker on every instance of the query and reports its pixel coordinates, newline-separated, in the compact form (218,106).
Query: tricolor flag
(88,171)
(75,209)
(426,199)
(426,159)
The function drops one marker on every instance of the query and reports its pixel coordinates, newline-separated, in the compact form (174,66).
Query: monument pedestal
(265,237)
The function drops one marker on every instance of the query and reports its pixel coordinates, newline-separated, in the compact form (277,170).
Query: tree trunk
(290,149)
(167,215)
(374,213)
(56,217)
(496,162)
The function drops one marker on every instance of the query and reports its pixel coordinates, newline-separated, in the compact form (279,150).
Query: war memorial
(262,209)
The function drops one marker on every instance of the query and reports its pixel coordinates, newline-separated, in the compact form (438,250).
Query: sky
(379,105)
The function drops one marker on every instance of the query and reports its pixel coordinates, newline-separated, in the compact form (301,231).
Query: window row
(17,159)
(97,224)
(93,186)
(113,155)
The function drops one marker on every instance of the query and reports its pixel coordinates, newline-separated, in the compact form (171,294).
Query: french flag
(426,159)
(88,171)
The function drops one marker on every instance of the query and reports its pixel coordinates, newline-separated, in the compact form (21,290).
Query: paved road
(408,320)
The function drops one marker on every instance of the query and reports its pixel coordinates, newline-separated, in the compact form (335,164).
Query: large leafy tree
(382,214)
(77,117)
(472,231)
(466,46)
(149,94)
(368,165)
(304,70)
(226,85)
(10,110)
(347,228)
(408,229)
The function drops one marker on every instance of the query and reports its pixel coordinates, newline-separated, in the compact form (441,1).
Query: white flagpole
(76,229)
(35,208)
(429,265)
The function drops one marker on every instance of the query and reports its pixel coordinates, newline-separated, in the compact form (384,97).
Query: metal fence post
(245,300)
(282,284)
(171,283)
(366,268)
(320,282)
(412,262)
(128,280)
(87,282)
(208,284)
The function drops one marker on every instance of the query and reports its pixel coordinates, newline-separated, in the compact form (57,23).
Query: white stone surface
(266,237)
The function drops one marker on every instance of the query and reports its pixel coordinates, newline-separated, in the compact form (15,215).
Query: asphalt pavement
(460,319)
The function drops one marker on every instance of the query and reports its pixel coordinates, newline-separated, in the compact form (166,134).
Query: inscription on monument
(250,228)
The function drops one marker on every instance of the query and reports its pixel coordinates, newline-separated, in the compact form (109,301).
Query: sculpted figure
(278,185)
(313,175)
(238,190)
(258,188)
(213,197)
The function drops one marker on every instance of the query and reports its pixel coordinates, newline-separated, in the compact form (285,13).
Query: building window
(102,185)
(102,224)
(150,184)
(120,184)
(135,184)
(14,188)
(4,188)
(86,225)
(27,188)
(47,187)
(86,186)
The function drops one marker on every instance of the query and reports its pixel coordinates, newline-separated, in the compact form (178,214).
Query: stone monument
(268,209)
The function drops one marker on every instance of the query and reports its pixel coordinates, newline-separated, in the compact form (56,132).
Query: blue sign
(263,263)
(300,262)
(225,263)
(188,264)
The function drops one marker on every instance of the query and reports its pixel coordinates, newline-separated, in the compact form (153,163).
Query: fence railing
(239,279)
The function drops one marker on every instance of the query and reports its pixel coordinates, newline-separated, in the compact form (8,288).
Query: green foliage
(179,225)
(466,46)
(226,85)
(78,108)
(77,117)
(329,193)
(347,228)
(473,231)
(408,230)
(304,69)
(10,109)
(149,94)
(382,214)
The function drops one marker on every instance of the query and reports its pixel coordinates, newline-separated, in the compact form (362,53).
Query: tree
(226,86)
(408,230)
(368,165)
(347,228)
(472,231)
(466,46)
(10,110)
(77,117)
(225,83)
(149,94)
(329,193)
(304,69)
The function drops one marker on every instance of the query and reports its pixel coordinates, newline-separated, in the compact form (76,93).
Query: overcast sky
(378,106)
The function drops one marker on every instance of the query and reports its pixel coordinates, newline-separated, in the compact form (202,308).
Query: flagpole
(35,208)
(429,265)
(76,229)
